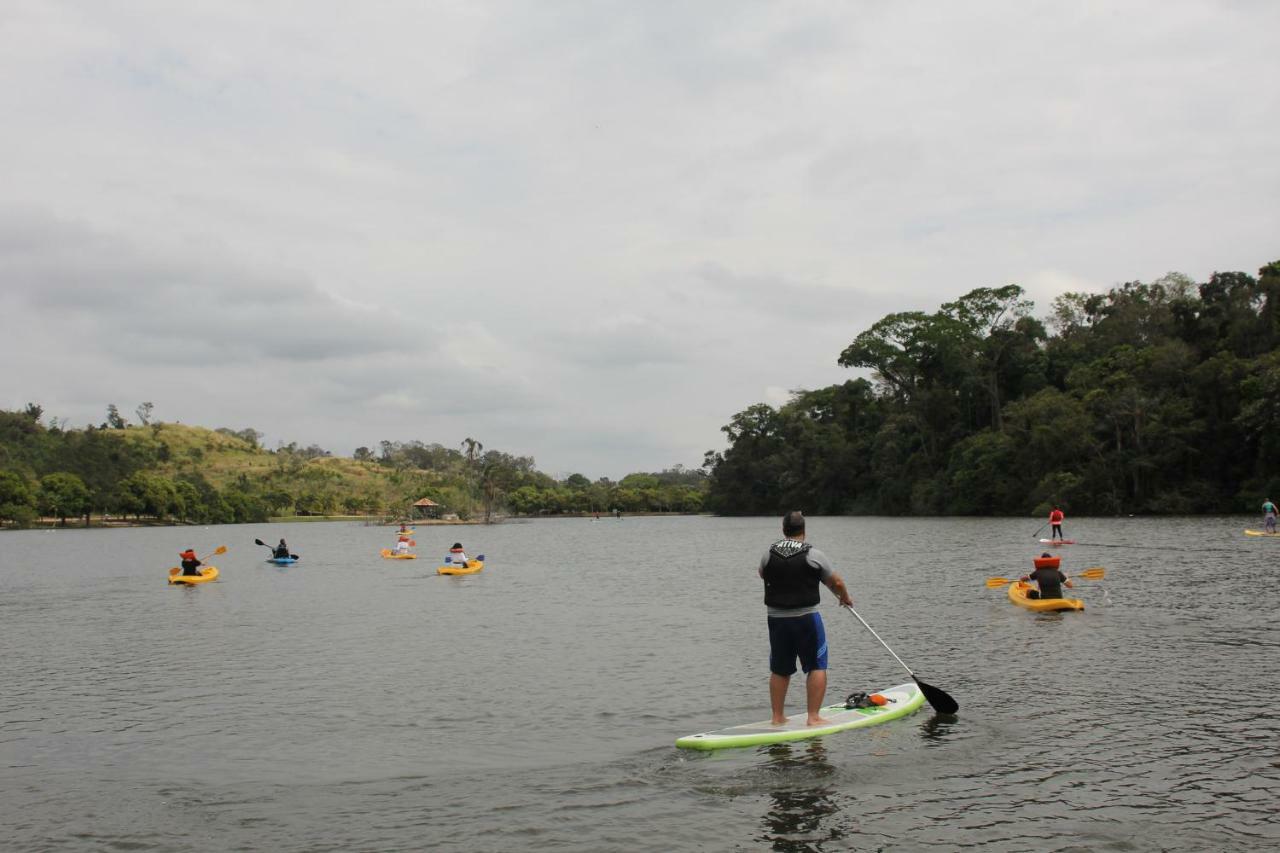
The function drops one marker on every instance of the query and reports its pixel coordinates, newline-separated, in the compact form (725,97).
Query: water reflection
(800,815)
(938,728)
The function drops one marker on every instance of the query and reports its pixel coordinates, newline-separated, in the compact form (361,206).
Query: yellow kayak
(207,573)
(473,566)
(388,555)
(1018,595)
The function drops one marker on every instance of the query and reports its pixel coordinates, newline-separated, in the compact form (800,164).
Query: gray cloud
(541,228)
(147,307)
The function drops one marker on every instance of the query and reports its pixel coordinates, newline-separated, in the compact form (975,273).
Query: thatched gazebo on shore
(425,508)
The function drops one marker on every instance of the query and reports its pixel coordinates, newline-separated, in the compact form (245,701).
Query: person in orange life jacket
(1048,578)
(1055,521)
(190,562)
(456,556)
(791,571)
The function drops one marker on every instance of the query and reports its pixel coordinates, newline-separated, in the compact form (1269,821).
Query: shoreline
(101,523)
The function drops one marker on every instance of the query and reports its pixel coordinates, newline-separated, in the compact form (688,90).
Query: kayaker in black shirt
(1048,578)
(190,563)
(281,550)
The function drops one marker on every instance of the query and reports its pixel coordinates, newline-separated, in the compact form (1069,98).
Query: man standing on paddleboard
(791,571)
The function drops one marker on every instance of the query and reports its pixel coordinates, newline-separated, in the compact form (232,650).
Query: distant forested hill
(1153,398)
(178,473)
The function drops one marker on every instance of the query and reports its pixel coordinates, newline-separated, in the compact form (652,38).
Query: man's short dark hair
(792,523)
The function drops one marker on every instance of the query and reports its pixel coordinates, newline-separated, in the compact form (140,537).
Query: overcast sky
(588,232)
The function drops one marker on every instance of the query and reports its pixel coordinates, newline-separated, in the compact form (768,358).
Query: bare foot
(816,721)
(778,721)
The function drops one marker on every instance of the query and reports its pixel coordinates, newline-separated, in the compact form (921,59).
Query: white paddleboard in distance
(903,700)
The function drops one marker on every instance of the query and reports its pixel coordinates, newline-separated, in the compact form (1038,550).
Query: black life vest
(789,581)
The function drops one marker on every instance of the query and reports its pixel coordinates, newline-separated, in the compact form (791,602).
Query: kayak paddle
(939,699)
(221,549)
(1096,573)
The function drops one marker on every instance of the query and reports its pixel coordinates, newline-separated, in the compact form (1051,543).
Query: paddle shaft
(1094,574)
(1038,529)
(938,698)
(877,636)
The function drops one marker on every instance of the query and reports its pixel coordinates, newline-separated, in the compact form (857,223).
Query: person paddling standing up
(792,570)
(1269,515)
(1055,523)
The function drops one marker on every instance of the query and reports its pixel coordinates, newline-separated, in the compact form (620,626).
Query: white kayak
(902,700)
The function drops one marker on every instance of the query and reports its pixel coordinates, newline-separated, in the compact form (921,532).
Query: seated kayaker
(1048,578)
(456,555)
(402,546)
(281,550)
(190,562)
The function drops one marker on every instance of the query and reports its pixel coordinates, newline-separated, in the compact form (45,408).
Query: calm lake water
(354,703)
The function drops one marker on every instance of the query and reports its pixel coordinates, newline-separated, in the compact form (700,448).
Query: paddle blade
(938,698)
(260,542)
(996,583)
(222,549)
(1096,573)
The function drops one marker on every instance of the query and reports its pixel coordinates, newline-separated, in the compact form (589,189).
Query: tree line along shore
(1153,397)
(1157,397)
(152,472)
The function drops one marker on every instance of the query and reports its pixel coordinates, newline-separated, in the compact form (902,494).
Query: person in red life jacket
(791,571)
(1055,520)
(190,562)
(456,556)
(1048,577)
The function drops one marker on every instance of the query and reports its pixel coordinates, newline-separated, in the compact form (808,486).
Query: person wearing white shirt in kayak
(456,556)
(791,571)
(402,545)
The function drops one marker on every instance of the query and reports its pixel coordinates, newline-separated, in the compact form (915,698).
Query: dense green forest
(1161,397)
(175,473)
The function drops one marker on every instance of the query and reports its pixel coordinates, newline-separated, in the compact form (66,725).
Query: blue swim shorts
(792,637)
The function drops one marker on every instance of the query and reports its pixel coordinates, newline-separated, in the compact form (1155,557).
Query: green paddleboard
(903,700)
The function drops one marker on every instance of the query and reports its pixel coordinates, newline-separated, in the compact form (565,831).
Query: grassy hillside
(290,480)
(169,471)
